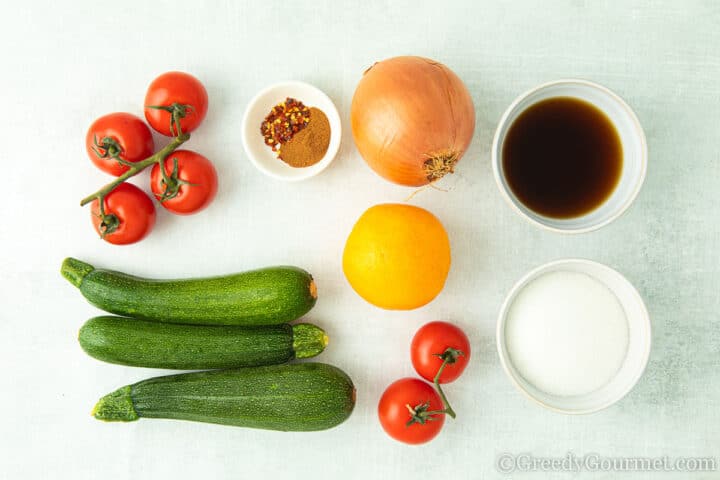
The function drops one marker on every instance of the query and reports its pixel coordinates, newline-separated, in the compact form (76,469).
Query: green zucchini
(269,296)
(139,343)
(292,397)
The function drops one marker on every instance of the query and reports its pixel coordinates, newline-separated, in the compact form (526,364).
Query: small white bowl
(639,340)
(261,155)
(632,139)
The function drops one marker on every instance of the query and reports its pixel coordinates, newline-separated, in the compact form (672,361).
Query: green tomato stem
(450,355)
(448,409)
(422,413)
(136,168)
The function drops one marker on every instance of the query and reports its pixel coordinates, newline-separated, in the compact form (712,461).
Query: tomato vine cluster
(410,409)
(121,144)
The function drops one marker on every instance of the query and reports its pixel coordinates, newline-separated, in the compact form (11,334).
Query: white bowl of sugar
(574,336)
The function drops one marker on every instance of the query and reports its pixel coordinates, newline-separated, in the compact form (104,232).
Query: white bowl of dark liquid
(569,156)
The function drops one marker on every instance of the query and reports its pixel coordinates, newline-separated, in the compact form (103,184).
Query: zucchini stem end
(116,406)
(75,270)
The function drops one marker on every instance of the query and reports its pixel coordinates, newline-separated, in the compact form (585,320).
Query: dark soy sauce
(562,157)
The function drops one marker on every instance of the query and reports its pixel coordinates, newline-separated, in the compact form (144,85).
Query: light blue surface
(62,67)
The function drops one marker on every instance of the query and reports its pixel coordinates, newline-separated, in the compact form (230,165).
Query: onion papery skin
(412,119)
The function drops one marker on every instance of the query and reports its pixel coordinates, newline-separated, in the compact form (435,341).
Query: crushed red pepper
(284,120)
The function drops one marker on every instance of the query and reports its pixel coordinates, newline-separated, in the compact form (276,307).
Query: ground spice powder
(309,145)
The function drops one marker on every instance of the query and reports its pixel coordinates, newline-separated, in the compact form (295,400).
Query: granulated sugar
(566,333)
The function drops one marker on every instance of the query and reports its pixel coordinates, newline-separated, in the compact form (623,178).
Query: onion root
(439,165)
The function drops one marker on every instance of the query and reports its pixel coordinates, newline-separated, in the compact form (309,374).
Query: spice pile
(299,133)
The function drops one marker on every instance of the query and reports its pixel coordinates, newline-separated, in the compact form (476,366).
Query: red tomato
(180,91)
(130,215)
(121,134)
(394,412)
(433,339)
(187,188)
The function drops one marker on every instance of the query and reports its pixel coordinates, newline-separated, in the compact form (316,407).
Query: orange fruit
(397,256)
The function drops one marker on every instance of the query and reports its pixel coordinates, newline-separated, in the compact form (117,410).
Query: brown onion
(412,119)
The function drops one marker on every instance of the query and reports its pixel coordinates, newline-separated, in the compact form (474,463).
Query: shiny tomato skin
(193,168)
(434,338)
(133,208)
(175,87)
(131,134)
(394,414)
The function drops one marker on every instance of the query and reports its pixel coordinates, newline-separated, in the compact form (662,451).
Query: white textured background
(61,67)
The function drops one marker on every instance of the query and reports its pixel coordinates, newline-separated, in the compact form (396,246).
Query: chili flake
(284,120)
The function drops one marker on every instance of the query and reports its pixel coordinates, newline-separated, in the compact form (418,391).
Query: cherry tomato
(129,215)
(118,134)
(175,91)
(433,339)
(189,183)
(394,412)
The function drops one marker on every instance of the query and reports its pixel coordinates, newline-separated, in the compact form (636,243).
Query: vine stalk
(450,355)
(422,413)
(136,168)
